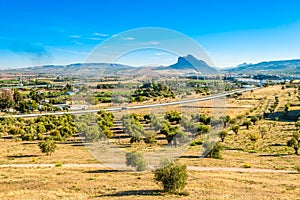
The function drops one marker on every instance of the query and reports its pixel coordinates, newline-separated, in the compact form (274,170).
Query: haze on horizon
(64,32)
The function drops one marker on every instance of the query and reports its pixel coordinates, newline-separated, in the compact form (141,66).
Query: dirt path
(192,168)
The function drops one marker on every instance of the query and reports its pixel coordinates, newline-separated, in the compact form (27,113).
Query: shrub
(136,160)
(232,121)
(197,142)
(202,129)
(173,116)
(15,131)
(58,164)
(149,137)
(108,133)
(246,165)
(47,146)
(172,177)
(213,150)
(239,117)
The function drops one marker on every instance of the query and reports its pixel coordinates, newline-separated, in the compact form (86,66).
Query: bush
(149,137)
(108,133)
(15,131)
(47,146)
(172,177)
(213,150)
(197,142)
(27,137)
(58,164)
(246,165)
(202,129)
(136,160)
(173,116)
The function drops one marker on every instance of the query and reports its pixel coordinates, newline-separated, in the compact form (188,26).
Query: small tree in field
(47,146)
(172,177)
(253,137)
(247,123)
(223,135)
(254,119)
(294,142)
(225,120)
(235,129)
(286,108)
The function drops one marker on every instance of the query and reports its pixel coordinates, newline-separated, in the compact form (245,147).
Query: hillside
(286,66)
(75,69)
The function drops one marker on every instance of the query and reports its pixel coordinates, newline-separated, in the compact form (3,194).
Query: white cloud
(94,38)
(128,38)
(101,34)
(75,36)
(158,54)
(150,42)
(76,42)
(154,42)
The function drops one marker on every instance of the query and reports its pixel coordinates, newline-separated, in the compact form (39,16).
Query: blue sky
(65,31)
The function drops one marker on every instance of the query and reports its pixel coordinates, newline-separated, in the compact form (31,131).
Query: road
(136,107)
(191,168)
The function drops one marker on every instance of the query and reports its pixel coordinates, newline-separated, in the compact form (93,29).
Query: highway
(136,107)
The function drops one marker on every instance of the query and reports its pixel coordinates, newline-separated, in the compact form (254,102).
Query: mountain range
(184,65)
(281,66)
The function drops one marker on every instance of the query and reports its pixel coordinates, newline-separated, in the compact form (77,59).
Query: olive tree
(223,135)
(235,129)
(254,119)
(247,123)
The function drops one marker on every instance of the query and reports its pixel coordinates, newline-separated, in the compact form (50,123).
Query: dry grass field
(269,152)
(91,183)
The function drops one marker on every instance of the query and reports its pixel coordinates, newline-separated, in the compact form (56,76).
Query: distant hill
(190,63)
(285,66)
(187,64)
(77,69)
